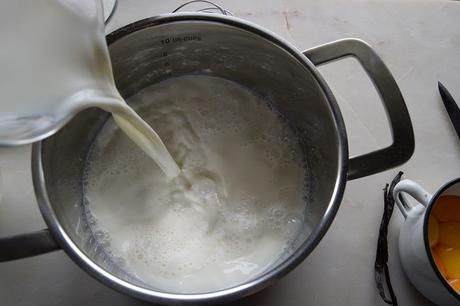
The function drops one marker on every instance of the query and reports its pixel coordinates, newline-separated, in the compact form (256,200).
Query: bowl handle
(414,190)
(401,127)
(26,245)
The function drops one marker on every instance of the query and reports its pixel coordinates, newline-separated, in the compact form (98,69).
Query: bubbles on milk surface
(231,212)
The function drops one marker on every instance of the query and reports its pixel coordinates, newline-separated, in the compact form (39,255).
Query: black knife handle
(451,107)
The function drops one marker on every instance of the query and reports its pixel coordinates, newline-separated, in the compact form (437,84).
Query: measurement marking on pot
(166,64)
(171,40)
(179,39)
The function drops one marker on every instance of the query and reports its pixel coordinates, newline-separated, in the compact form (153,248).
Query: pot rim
(241,290)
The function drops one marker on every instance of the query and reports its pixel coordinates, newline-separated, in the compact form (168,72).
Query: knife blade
(451,107)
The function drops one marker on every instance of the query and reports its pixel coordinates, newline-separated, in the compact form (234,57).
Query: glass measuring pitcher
(53,59)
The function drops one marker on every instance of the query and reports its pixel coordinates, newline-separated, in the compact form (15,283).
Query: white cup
(414,249)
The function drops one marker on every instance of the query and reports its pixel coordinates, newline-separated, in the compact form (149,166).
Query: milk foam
(232,210)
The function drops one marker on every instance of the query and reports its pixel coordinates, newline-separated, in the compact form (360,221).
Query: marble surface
(418,40)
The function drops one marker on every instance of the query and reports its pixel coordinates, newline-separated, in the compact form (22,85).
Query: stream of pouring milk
(55,62)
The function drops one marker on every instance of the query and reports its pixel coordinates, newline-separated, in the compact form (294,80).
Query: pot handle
(27,245)
(401,127)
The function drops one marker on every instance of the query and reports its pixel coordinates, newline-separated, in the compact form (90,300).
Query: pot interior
(151,51)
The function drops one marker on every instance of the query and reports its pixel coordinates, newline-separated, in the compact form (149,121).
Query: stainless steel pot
(158,48)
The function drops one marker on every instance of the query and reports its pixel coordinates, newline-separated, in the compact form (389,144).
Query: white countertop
(418,40)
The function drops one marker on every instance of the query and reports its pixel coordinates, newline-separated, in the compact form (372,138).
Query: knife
(451,107)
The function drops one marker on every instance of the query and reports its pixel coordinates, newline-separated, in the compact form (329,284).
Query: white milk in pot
(222,214)
(232,211)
